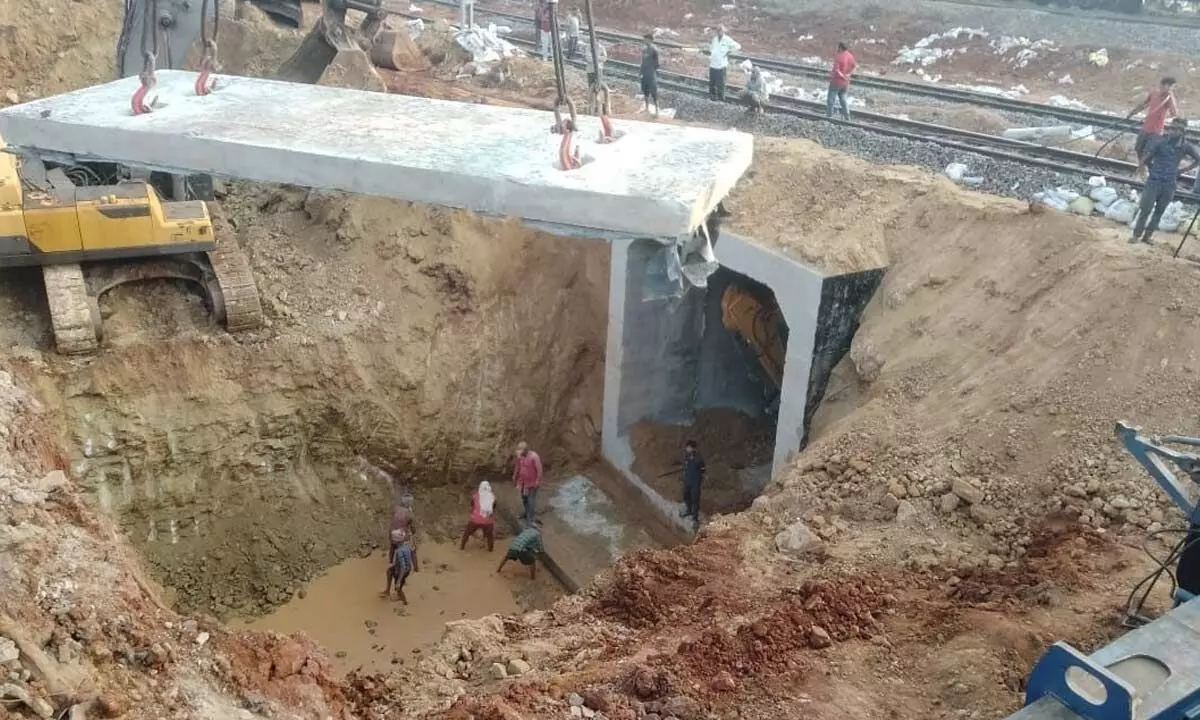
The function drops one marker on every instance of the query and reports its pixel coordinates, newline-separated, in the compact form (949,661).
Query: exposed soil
(735,447)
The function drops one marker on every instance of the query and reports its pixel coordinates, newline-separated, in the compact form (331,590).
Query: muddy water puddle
(342,610)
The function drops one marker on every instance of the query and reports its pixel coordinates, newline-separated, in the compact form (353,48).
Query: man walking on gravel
(844,66)
(1160,109)
(573,34)
(1163,156)
(527,476)
(718,63)
(693,477)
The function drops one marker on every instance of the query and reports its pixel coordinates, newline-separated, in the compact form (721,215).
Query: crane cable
(601,102)
(208,61)
(566,127)
(149,59)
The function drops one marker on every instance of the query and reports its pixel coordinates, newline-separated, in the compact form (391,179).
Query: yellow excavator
(761,326)
(48,220)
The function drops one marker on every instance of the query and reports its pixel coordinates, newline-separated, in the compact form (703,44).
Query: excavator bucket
(331,55)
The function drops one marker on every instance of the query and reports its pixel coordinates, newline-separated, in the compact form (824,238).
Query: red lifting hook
(207,63)
(566,157)
(139,104)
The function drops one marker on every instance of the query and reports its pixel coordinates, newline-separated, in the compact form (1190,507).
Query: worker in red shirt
(844,66)
(483,516)
(527,476)
(1160,108)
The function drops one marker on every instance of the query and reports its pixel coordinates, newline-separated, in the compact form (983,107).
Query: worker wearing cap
(1163,156)
(718,62)
(1160,109)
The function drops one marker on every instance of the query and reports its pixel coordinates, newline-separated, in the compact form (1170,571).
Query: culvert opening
(732,368)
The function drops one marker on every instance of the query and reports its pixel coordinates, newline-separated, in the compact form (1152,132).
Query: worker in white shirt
(718,62)
(573,34)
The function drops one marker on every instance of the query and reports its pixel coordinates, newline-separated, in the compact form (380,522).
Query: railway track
(902,87)
(992,146)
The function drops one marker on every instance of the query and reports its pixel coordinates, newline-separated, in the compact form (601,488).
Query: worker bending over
(757,96)
(524,549)
(1160,109)
(718,62)
(1163,155)
(483,516)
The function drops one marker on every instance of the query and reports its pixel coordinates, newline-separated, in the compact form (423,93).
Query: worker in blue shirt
(1163,156)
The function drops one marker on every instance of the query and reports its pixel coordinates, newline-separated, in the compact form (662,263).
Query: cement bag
(1121,211)
(955,171)
(1082,206)
(1172,218)
(1054,202)
(1067,195)
(1103,196)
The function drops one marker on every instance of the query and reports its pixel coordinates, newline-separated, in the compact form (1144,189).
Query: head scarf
(487,499)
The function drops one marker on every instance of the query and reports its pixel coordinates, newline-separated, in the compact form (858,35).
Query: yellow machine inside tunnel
(58,225)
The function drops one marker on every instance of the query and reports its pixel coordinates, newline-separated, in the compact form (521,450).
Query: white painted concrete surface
(655,181)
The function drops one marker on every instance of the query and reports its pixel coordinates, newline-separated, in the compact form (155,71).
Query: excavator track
(238,305)
(74,313)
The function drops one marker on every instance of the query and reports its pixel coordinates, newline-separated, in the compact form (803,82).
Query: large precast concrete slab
(656,180)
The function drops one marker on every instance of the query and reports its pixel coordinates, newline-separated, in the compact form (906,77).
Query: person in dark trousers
(1163,156)
(693,477)
(844,66)
(573,34)
(649,72)
(718,63)
(524,549)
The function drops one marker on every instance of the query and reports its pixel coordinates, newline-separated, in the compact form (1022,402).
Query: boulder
(967,491)
(797,540)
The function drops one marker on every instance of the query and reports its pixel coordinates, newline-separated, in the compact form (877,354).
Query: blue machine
(1153,672)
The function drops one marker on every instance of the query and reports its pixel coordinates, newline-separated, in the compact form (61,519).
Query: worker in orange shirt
(844,66)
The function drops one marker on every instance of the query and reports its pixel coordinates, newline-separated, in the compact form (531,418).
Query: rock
(290,657)
(575,700)
(724,682)
(201,639)
(517,667)
(966,491)
(898,490)
(797,540)
(11,97)
(342,315)
(588,713)
(906,513)
(597,700)
(818,637)
(984,515)
(891,502)
(39,706)
(8,651)
(498,671)
(576,711)
(684,708)
(111,706)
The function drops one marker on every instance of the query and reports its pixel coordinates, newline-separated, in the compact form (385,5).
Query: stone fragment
(891,502)
(948,503)
(967,491)
(906,513)
(8,651)
(818,637)
(518,667)
(575,700)
(798,540)
(498,671)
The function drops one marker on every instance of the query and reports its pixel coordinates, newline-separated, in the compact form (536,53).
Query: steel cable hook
(148,80)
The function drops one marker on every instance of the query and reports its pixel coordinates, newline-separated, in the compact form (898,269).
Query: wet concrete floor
(342,610)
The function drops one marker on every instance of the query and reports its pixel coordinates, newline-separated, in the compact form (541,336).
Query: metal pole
(587,7)
(1187,232)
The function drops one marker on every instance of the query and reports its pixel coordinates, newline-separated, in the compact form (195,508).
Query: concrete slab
(655,181)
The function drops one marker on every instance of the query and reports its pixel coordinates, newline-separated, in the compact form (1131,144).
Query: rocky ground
(962,506)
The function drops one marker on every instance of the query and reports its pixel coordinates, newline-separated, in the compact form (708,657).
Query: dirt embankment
(963,504)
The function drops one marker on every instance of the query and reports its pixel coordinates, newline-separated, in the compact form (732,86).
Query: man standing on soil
(1163,156)
(718,63)
(573,34)
(402,550)
(693,477)
(649,72)
(844,65)
(527,476)
(1160,108)
(524,549)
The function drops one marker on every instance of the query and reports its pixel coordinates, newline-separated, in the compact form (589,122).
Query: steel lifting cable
(599,89)
(208,61)
(565,127)
(149,57)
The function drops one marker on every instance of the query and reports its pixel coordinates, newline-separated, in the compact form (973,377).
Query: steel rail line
(903,87)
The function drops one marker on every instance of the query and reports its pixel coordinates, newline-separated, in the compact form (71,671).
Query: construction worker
(1160,109)
(649,72)
(718,62)
(524,549)
(573,33)
(483,516)
(592,75)
(693,477)
(844,65)
(527,476)
(756,96)
(544,37)
(402,549)
(1163,155)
